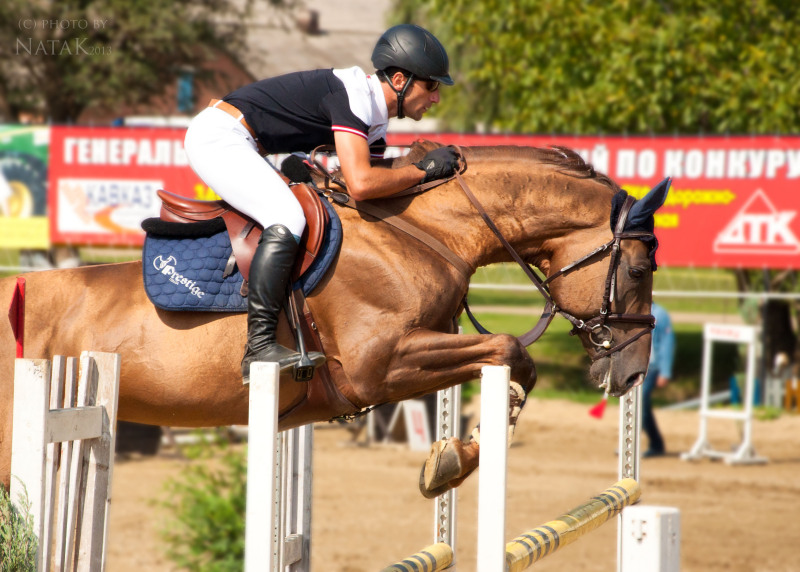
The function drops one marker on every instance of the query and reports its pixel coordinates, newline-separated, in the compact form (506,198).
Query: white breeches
(223,153)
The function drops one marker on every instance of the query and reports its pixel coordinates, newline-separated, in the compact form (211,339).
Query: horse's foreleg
(451,460)
(452,359)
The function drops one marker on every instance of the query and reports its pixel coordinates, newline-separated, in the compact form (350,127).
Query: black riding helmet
(415,50)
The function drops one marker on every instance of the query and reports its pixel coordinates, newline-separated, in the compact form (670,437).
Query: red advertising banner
(103,181)
(733,201)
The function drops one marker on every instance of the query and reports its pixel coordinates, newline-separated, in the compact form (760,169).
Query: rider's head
(416,53)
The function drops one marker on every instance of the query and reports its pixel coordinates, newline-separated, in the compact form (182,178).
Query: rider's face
(420,97)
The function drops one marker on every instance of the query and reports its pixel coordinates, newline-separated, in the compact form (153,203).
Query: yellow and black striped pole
(566,529)
(431,559)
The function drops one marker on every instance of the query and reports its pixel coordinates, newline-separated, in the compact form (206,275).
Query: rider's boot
(270,272)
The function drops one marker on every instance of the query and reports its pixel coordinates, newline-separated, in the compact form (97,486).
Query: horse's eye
(636,273)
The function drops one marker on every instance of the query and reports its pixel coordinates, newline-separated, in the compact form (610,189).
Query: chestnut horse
(385,312)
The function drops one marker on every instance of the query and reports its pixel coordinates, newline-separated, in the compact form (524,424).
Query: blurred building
(317,35)
(321,35)
(180,100)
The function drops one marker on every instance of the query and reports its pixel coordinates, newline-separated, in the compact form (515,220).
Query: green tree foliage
(617,66)
(57,58)
(205,529)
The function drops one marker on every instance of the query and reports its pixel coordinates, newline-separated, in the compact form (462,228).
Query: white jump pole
(259,553)
(495,384)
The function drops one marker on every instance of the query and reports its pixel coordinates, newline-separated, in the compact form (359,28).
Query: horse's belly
(188,398)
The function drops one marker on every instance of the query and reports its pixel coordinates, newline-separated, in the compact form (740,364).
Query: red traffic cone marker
(598,410)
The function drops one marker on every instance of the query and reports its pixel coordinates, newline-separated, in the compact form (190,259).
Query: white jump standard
(493,554)
(279,477)
(744,453)
(63,455)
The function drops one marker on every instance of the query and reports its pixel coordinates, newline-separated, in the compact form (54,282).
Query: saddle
(244,232)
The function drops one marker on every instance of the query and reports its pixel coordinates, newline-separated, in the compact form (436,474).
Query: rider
(298,112)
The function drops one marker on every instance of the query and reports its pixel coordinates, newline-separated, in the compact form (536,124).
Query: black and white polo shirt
(300,111)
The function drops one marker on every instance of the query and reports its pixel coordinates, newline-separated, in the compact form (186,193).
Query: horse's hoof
(431,494)
(442,466)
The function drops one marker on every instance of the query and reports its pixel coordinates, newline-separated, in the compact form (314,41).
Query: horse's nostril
(635,380)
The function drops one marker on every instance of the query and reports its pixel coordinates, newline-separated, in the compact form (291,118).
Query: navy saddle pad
(183,265)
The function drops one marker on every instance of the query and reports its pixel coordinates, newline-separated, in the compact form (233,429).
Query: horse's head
(606,293)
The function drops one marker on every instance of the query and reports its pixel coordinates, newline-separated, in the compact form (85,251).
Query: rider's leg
(222,152)
(270,273)
(224,155)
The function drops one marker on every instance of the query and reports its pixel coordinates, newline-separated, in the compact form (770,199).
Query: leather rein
(597,328)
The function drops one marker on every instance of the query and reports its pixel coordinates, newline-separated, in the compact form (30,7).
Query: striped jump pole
(570,526)
(431,559)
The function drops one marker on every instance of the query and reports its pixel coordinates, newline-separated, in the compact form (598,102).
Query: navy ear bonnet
(640,217)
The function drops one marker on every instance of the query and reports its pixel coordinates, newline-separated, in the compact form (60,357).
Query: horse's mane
(566,161)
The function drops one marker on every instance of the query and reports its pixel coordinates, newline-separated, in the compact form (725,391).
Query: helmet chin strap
(401,94)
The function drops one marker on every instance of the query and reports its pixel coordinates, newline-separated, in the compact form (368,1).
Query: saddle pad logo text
(167,268)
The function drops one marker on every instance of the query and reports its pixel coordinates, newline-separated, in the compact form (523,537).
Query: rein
(597,328)
(600,334)
(329,177)
(343,199)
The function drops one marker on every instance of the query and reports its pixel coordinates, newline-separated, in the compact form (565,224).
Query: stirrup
(283,356)
(304,368)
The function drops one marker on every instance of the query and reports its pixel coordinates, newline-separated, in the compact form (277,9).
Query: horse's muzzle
(633,380)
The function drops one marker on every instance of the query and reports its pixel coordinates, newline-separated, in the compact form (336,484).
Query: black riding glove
(439,164)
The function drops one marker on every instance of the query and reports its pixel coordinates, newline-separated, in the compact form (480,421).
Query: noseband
(597,328)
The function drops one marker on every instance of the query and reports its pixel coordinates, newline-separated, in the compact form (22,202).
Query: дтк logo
(758,228)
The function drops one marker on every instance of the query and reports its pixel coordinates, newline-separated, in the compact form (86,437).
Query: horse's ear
(645,207)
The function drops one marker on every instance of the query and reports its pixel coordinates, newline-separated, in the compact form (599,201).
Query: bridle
(599,332)
(598,328)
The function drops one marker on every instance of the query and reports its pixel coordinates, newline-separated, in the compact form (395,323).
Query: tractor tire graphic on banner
(25,178)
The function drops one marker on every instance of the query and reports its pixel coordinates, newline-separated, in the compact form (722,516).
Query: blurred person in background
(659,373)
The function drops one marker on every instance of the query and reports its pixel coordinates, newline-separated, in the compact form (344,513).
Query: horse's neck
(534,208)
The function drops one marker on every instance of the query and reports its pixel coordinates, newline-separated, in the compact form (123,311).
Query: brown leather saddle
(244,232)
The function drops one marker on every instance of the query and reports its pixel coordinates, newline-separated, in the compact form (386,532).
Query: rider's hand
(439,164)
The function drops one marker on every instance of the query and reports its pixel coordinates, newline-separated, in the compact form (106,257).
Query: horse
(386,312)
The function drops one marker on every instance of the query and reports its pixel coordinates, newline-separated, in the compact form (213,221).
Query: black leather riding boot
(270,272)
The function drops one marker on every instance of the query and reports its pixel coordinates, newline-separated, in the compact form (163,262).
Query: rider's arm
(365,181)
